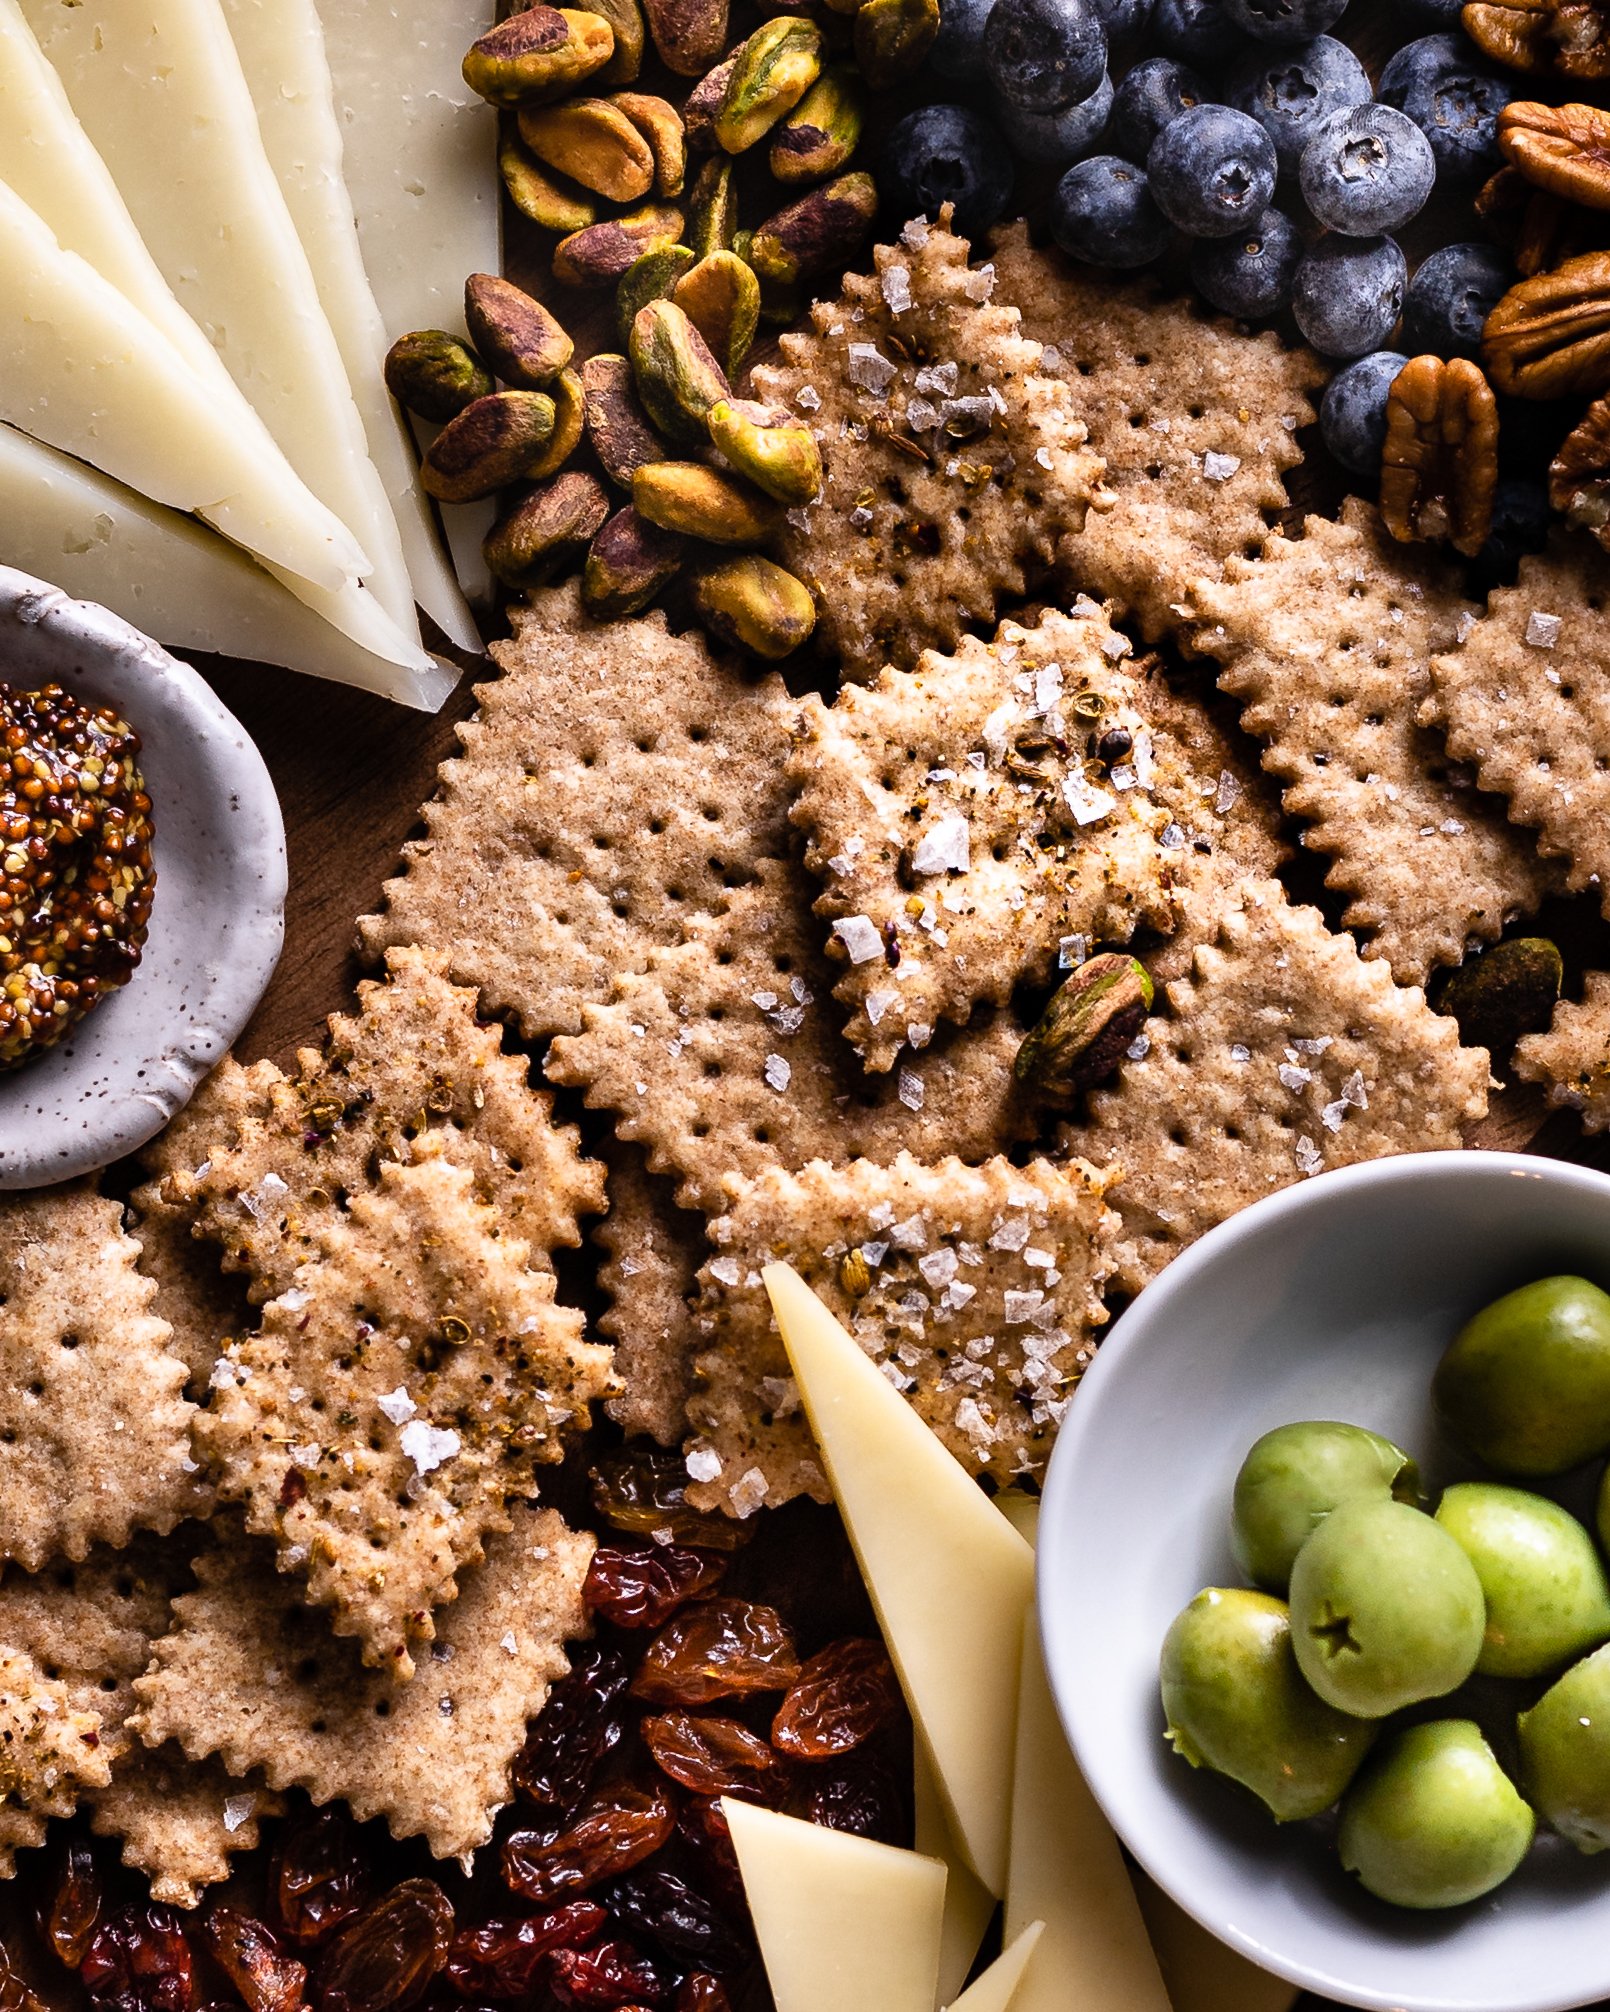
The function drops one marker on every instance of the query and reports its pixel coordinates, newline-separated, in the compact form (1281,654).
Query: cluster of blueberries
(1166,155)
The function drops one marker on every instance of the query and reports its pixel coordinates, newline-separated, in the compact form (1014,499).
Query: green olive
(1385,1609)
(1236,1704)
(1526,1384)
(1548,1601)
(1291,1481)
(1434,1821)
(1565,1753)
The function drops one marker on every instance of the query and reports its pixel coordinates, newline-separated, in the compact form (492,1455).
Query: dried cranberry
(320,1877)
(664,1909)
(577,1729)
(610,1973)
(70,1905)
(615,1829)
(711,1756)
(501,1960)
(700,1993)
(860,1794)
(383,1959)
(702,1829)
(643,1490)
(139,1961)
(717,1649)
(267,1979)
(844,1694)
(643,1589)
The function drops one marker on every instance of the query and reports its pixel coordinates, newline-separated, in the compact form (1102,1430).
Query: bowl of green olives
(1325,1588)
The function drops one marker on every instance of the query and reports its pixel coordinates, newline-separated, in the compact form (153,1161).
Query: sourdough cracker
(722,1058)
(1282,1053)
(976,1290)
(615,779)
(1327,641)
(651,1255)
(51,1754)
(1195,418)
(94,1426)
(951,463)
(1571,1059)
(395,1397)
(251,1674)
(180,1821)
(963,827)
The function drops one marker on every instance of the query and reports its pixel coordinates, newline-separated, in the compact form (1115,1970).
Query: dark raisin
(643,1490)
(611,1974)
(70,1903)
(845,1693)
(383,1960)
(702,1832)
(717,1649)
(502,1960)
(617,1827)
(320,1878)
(643,1589)
(662,1908)
(139,1961)
(711,1756)
(577,1730)
(860,1794)
(700,1993)
(267,1979)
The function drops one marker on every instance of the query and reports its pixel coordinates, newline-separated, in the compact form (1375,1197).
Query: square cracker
(1327,641)
(394,1399)
(615,779)
(723,1058)
(951,464)
(1282,1053)
(1526,701)
(978,1293)
(250,1673)
(962,829)
(1195,418)
(1572,1058)
(94,1426)
(651,1256)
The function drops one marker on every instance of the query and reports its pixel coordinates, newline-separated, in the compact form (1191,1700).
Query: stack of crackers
(781,941)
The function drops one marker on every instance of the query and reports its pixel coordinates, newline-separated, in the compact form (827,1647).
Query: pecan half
(1564,149)
(1580,32)
(1537,229)
(1439,466)
(1579,475)
(1549,337)
(1512,32)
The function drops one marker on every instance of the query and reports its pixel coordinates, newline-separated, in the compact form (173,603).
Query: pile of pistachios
(706,472)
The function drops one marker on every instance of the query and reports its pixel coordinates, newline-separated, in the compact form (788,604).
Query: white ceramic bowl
(217,920)
(1330,1300)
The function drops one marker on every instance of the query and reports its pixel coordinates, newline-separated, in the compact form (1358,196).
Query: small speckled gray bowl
(218,918)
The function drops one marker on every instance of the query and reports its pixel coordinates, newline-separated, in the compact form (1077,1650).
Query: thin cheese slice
(949,1577)
(1202,1973)
(969,1904)
(281,49)
(174,578)
(841,1921)
(160,91)
(421,167)
(996,1990)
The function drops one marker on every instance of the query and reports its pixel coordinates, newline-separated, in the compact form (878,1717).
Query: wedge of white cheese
(281,49)
(176,579)
(996,1989)
(969,1904)
(160,92)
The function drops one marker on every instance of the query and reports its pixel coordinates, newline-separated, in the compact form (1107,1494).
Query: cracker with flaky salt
(951,464)
(651,1257)
(51,1754)
(1327,641)
(94,1426)
(1572,1058)
(723,1058)
(396,1396)
(1526,701)
(963,827)
(252,1674)
(181,1821)
(416,1061)
(615,778)
(1281,1053)
(1195,418)
(976,1290)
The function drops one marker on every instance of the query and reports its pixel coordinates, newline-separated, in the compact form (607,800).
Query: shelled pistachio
(701,502)
(892,37)
(598,255)
(546,530)
(432,373)
(660,124)
(594,143)
(756,604)
(678,379)
(822,132)
(569,424)
(649,278)
(538,55)
(549,203)
(517,335)
(712,208)
(617,425)
(770,73)
(721,297)
(774,451)
(497,440)
(627,564)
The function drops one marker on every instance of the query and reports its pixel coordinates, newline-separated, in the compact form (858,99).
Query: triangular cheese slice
(281,48)
(1202,1973)
(969,1904)
(949,1577)
(996,1990)
(842,1922)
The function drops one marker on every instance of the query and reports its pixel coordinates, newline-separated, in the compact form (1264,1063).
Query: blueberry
(1451,296)
(1368,169)
(1150,97)
(1103,212)
(1212,171)
(1285,20)
(1125,21)
(1044,55)
(1352,414)
(1521,519)
(1056,138)
(1291,93)
(1197,31)
(1452,97)
(1348,294)
(947,154)
(1250,274)
(958,53)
